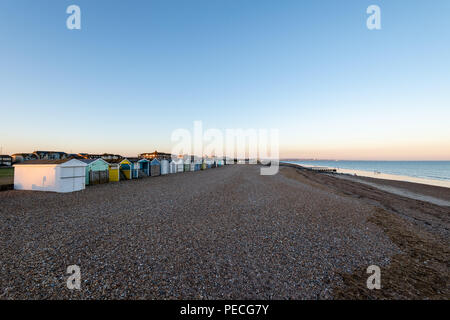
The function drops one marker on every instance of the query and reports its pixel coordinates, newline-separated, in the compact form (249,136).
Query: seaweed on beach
(420,272)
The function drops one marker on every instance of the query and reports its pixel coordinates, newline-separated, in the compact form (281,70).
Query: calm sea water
(436,170)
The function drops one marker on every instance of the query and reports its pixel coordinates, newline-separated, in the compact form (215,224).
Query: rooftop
(60,161)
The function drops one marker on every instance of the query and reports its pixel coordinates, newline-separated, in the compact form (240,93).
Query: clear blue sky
(137,70)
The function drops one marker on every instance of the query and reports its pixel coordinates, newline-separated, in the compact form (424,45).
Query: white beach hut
(65,175)
(180,165)
(164,166)
(173,167)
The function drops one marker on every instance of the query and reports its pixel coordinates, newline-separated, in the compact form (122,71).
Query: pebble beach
(224,233)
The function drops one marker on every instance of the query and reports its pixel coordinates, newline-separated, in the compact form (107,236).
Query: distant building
(83,155)
(5,161)
(74,156)
(105,156)
(21,157)
(155,155)
(50,155)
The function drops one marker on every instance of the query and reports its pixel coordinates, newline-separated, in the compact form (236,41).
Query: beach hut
(195,161)
(164,166)
(66,175)
(187,166)
(180,165)
(140,167)
(228,161)
(114,172)
(144,167)
(125,168)
(172,167)
(134,167)
(208,163)
(204,165)
(155,168)
(97,171)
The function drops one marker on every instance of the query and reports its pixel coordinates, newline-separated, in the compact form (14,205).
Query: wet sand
(421,192)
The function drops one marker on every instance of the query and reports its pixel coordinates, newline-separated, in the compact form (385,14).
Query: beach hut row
(68,175)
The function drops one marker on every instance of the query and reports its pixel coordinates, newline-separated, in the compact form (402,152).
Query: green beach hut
(97,171)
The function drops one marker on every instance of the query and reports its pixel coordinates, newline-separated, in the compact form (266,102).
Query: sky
(138,70)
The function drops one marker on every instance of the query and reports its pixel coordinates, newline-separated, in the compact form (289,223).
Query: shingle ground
(221,233)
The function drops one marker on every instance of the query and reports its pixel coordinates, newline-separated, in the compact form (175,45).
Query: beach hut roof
(155,161)
(89,161)
(133,159)
(116,160)
(41,162)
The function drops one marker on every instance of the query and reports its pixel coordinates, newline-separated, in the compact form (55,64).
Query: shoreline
(418,227)
(385,176)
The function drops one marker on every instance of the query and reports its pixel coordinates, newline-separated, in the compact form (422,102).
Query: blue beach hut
(155,168)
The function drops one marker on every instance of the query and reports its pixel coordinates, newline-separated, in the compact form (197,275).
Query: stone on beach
(222,233)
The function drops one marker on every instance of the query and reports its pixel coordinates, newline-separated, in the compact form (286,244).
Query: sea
(432,170)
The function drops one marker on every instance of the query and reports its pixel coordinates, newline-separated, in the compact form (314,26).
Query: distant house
(83,155)
(74,156)
(5,161)
(96,156)
(155,155)
(21,157)
(50,155)
(105,156)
